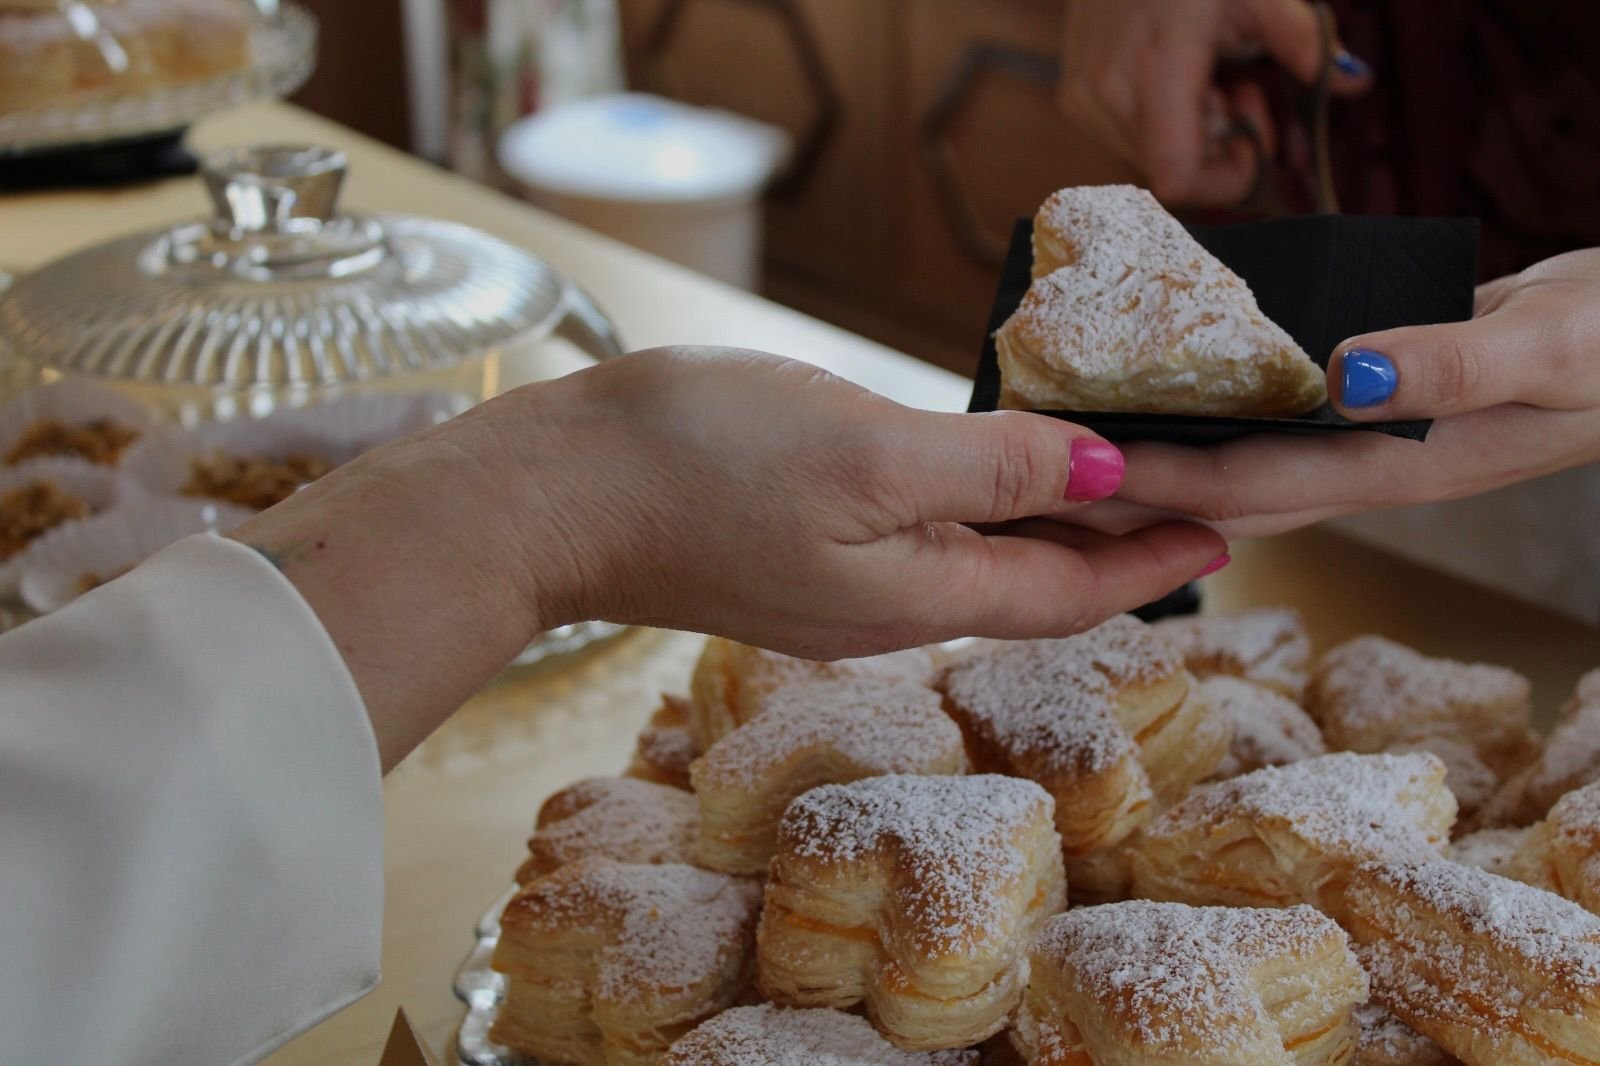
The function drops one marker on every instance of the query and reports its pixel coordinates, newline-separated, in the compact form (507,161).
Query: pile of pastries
(1188,842)
(132,46)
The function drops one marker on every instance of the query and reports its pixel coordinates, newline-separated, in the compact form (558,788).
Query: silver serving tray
(482,990)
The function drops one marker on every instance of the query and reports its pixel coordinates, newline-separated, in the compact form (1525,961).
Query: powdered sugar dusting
(1051,701)
(1489,849)
(1495,926)
(1375,691)
(665,746)
(1126,285)
(882,727)
(666,749)
(1576,816)
(619,818)
(766,671)
(1126,651)
(666,927)
(1358,806)
(1181,975)
(774,1036)
(1268,729)
(1466,775)
(960,843)
(1570,759)
(1130,251)
(1388,1041)
(1268,646)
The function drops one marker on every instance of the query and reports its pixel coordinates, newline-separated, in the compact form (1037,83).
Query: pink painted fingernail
(1094,470)
(1214,565)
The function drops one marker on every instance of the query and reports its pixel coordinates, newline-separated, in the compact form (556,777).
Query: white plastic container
(682,182)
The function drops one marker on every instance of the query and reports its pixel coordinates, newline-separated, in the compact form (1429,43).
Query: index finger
(1171,124)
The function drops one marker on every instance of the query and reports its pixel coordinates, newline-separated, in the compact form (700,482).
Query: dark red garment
(1488,108)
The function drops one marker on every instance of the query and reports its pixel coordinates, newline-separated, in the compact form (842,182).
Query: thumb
(997,467)
(1434,371)
(1291,32)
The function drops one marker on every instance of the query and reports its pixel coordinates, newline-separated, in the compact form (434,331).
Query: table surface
(460,808)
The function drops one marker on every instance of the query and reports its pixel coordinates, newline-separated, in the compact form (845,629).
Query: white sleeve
(191,820)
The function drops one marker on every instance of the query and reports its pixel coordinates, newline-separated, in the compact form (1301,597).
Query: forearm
(428,561)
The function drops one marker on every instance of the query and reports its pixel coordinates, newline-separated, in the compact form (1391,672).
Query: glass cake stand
(283,49)
(283,299)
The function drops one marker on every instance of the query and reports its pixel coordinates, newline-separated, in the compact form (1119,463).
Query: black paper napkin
(104,164)
(1323,278)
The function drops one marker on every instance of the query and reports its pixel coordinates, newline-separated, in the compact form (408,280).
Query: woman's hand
(1139,75)
(711,490)
(774,503)
(1515,393)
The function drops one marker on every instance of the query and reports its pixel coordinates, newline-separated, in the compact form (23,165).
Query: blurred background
(915,131)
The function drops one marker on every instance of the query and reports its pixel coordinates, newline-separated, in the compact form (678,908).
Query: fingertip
(1095,469)
(1194,540)
(1351,72)
(1361,380)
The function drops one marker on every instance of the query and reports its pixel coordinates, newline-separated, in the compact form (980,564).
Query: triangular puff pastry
(1128,313)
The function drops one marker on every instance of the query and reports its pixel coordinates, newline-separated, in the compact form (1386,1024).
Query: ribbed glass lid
(280,289)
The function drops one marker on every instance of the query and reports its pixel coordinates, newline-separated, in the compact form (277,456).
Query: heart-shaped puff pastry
(732,681)
(1144,984)
(1128,313)
(915,895)
(619,818)
(1295,834)
(608,963)
(810,734)
(1108,722)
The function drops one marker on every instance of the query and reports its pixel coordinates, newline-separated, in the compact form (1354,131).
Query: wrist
(546,462)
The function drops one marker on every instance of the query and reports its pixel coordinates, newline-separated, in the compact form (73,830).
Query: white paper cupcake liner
(71,401)
(94,485)
(161,463)
(53,568)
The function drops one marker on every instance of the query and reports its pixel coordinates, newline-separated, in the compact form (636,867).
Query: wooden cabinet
(360,76)
(933,124)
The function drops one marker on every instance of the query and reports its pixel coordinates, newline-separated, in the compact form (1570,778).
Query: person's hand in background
(1140,76)
(717,491)
(1515,393)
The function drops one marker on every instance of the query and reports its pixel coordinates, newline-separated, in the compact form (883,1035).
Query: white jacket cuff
(191,819)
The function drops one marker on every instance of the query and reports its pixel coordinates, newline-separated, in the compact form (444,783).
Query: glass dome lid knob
(275,217)
(280,288)
(274,188)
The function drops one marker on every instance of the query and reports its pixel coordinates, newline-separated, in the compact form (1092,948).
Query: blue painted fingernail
(1369,378)
(1354,66)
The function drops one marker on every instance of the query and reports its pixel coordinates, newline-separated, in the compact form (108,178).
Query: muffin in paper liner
(94,485)
(72,402)
(163,462)
(69,561)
